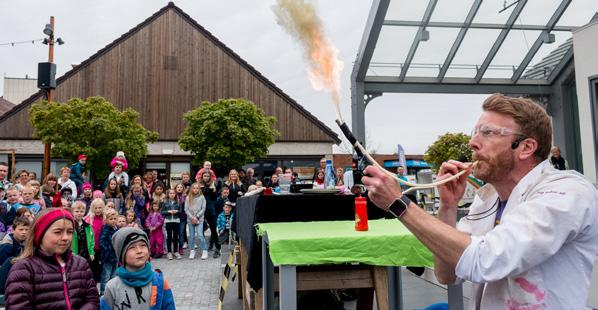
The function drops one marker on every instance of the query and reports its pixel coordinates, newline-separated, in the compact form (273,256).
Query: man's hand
(451,192)
(383,189)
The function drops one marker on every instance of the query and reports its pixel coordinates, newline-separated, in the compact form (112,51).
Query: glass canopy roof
(474,41)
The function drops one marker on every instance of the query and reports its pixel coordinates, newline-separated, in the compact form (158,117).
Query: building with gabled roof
(17,89)
(162,68)
(5,105)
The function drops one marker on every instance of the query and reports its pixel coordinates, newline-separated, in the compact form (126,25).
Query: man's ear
(528,148)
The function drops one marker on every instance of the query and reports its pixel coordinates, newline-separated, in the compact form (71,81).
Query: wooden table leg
(380,275)
(242,276)
(258,300)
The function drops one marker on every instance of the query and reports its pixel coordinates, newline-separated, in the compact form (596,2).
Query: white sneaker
(195,246)
(185,245)
(204,254)
(177,255)
(169,255)
(192,254)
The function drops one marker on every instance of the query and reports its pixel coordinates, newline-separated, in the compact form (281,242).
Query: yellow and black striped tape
(230,270)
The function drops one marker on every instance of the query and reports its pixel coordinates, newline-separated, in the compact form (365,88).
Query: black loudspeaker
(46,75)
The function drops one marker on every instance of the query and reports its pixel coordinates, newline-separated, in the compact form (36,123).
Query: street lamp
(46,80)
(49,29)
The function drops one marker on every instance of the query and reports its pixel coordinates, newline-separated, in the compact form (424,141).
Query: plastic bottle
(361,214)
(329,176)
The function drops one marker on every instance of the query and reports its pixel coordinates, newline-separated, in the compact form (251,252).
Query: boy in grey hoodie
(136,285)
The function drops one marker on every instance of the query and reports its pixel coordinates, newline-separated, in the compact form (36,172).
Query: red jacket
(39,282)
(57,200)
(201,171)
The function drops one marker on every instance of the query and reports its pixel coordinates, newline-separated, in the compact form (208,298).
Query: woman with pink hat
(120,158)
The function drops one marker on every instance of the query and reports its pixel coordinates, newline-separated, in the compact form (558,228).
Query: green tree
(448,146)
(229,132)
(94,127)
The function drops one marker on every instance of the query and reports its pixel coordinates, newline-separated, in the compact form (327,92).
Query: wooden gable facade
(164,67)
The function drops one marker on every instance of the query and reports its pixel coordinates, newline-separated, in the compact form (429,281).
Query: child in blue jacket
(108,254)
(224,223)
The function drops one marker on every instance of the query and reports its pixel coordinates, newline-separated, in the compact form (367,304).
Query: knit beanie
(123,238)
(46,220)
(86,186)
(97,194)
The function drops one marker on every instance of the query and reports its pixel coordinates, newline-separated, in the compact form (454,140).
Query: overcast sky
(249,28)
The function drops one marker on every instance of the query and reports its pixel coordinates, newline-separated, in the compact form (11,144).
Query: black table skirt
(288,208)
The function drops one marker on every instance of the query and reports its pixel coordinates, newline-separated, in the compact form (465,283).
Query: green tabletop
(386,243)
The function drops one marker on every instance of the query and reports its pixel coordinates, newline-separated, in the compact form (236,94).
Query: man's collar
(529,179)
(489,192)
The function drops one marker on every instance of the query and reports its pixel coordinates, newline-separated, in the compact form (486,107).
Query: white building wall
(166,148)
(18,89)
(585,46)
(300,148)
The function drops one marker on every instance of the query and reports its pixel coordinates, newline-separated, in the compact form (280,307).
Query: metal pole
(287,287)
(395,288)
(358,111)
(267,276)
(48,146)
(455,296)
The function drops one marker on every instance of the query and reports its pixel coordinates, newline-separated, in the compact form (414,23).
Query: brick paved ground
(195,283)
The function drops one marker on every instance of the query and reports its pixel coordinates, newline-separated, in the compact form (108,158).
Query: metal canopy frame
(466,25)
(418,38)
(543,37)
(364,88)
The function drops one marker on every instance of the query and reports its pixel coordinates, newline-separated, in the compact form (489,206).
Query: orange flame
(301,21)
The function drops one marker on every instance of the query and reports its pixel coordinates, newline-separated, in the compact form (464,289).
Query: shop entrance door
(160,167)
(176,170)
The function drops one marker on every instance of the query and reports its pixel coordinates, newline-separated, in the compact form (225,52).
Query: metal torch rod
(362,152)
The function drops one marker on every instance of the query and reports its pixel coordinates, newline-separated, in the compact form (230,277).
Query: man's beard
(494,169)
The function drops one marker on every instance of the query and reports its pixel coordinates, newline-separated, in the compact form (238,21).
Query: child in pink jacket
(154,222)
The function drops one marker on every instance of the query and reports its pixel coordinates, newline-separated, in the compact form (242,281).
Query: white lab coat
(540,256)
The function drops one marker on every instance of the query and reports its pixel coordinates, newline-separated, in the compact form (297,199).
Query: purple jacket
(154,219)
(38,282)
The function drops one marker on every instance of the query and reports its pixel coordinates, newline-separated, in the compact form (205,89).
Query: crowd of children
(64,232)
